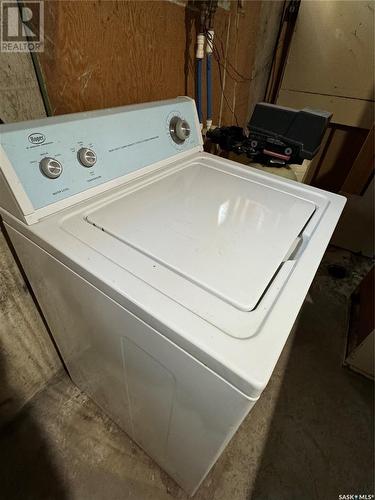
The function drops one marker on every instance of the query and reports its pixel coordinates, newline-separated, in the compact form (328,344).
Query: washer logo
(36,138)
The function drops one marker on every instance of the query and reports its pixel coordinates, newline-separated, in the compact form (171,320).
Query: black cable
(238,79)
(225,97)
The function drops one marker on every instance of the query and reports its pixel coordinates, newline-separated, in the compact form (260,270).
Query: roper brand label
(36,138)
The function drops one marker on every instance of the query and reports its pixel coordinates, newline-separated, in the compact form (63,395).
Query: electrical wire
(228,66)
(218,52)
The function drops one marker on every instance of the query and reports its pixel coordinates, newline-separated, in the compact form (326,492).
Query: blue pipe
(199,89)
(209,86)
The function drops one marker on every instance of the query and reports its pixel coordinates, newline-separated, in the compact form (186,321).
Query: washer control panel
(58,157)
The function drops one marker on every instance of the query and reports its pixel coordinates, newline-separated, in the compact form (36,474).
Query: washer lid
(225,233)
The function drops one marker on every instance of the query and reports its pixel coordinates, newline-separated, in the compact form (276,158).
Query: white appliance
(170,278)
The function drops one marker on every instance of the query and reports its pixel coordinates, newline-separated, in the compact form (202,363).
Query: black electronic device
(275,135)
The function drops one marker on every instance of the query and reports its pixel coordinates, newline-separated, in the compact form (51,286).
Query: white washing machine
(170,278)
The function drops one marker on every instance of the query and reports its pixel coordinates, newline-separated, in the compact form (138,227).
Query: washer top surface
(215,256)
(225,233)
(151,253)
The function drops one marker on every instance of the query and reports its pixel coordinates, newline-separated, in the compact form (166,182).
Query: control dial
(50,167)
(179,129)
(86,157)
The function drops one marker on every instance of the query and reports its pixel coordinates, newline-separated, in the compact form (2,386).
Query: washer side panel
(177,409)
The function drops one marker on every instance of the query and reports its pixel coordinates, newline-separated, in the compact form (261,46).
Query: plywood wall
(330,66)
(334,161)
(107,53)
(331,61)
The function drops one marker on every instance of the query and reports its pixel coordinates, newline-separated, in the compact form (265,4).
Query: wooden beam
(362,169)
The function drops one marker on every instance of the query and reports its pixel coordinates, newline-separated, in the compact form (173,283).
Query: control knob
(50,167)
(179,129)
(86,157)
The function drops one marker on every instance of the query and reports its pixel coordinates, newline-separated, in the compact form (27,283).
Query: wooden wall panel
(337,156)
(331,61)
(332,52)
(108,53)
(355,229)
(363,167)
(269,23)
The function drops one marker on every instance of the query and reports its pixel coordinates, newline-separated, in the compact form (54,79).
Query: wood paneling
(351,112)
(355,229)
(269,23)
(331,61)
(338,153)
(332,52)
(363,167)
(105,53)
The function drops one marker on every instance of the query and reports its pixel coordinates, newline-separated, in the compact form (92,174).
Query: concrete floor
(310,436)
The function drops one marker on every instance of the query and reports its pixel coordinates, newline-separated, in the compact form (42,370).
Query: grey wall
(20,95)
